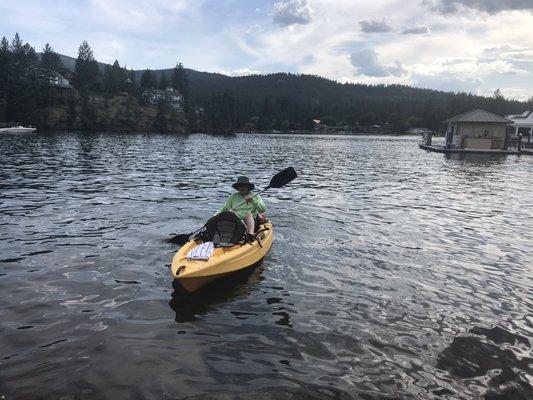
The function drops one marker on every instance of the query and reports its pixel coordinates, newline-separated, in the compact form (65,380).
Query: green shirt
(255,206)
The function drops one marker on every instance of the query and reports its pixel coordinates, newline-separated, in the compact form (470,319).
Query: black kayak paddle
(279,180)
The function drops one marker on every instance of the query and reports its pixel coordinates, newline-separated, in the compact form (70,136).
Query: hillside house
(477,129)
(171,96)
(58,80)
(52,78)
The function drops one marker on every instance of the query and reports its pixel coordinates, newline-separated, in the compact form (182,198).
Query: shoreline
(211,133)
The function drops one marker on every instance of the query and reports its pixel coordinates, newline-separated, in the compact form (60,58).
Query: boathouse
(522,124)
(476,129)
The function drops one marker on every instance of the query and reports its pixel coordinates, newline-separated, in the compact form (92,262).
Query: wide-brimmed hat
(243,180)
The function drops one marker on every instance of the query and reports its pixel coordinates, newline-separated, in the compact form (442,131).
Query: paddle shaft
(242,202)
(279,180)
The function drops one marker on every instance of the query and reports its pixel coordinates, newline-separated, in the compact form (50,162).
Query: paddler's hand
(248,199)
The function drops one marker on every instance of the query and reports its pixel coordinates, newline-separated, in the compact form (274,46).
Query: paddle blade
(179,239)
(282,178)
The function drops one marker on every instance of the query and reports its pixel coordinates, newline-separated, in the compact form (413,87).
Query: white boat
(17,129)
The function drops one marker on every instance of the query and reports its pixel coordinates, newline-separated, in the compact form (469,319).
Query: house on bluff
(171,96)
(52,79)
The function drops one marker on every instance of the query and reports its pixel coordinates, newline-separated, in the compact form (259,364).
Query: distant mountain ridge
(202,80)
(70,62)
(281,100)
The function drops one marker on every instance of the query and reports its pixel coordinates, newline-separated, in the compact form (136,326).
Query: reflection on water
(395,273)
(188,306)
(499,356)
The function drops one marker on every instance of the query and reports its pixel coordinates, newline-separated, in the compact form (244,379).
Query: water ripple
(396,273)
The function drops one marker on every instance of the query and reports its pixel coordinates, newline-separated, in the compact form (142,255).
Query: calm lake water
(395,273)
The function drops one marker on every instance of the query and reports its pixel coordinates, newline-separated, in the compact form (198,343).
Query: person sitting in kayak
(252,208)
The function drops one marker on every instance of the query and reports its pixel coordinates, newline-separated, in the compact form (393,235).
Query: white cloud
(240,72)
(109,50)
(515,93)
(374,25)
(447,82)
(508,52)
(416,30)
(490,6)
(484,46)
(290,12)
(367,63)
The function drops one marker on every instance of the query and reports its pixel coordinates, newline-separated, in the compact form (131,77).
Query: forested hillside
(52,91)
(285,101)
(278,101)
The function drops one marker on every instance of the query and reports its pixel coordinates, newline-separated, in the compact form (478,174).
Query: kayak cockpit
(193,274)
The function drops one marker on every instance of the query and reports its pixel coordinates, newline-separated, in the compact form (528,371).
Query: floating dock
(442,149)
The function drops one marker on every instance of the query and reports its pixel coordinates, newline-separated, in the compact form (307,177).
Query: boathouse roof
(478,116)
(524,120)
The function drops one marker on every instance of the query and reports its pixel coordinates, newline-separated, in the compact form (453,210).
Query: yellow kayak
(193,274)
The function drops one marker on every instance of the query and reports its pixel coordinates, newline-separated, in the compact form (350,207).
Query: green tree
(131,84)
(22,96)
(429,119)
(148,80)
(114,79)
(498,95)
(86,72)
(180,82)
(50,59)
(499,103)
(30,57)
(22,58)
(4,67)
(163,82)
(3,107)
(16,45)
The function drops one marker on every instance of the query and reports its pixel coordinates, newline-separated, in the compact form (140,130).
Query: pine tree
(4,66)
(106,82)
(180,82)
(22,96)
(22,58)
(114,79)
(148,80)
(428,115)
(500,104)
(179,79)
(4,75)
(163,82)
(498,95)
(86,69)
(4,45)
(16,44)
(50,59)
(131,83)
(30,57)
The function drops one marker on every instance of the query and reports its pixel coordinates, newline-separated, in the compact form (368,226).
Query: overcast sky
(469,45)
